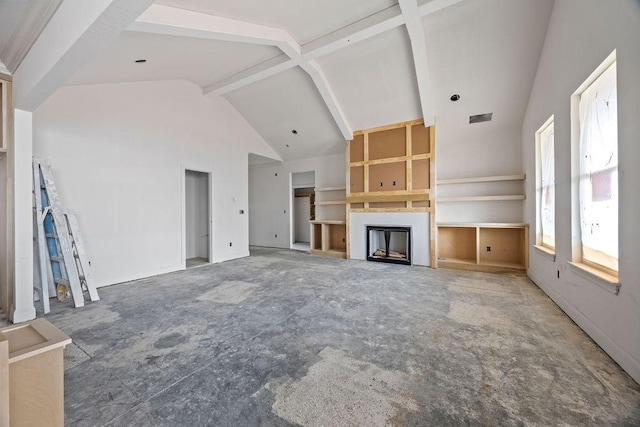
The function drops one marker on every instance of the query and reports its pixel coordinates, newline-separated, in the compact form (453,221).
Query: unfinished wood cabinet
(328,233)
(490,247)
(32,354)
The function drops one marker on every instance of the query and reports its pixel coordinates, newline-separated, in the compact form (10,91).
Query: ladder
(63,263)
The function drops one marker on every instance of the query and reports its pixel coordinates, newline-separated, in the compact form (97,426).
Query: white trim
(594,277)
(538,177)
(626,360)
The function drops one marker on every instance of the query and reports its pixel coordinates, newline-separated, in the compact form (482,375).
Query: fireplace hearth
(389,244)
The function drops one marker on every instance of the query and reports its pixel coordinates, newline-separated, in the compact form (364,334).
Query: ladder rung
(57,258)
(59,280)
(51,235)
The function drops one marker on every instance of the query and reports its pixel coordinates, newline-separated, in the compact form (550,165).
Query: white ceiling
(305,20)
(21,21)
(201,61)
(485,50)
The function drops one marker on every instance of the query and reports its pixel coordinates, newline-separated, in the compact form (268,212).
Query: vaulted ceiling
(326,68)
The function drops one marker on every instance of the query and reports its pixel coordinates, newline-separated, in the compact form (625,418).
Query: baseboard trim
(22,315)
(629,363)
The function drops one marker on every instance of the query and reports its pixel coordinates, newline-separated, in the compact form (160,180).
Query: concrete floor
(196,262)
(284,338)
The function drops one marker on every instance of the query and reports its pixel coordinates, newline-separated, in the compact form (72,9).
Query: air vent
(481,118)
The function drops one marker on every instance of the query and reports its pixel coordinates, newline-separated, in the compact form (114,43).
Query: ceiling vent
(481,118)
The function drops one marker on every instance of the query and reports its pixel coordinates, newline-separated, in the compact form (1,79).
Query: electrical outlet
(394,183)
(558,274)
(241,211)
(488,248)
(380,184)
(230,244)
(276,236)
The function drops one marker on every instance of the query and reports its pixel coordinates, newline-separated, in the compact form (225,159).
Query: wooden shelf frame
(503,198)
(410,199)
(461,246)
(474,180)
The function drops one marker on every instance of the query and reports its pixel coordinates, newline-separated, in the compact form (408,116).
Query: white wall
(197,214)
(466,150)
(118,152)
(270,196)
(581,34)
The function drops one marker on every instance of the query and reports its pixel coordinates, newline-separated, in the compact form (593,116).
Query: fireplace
(389,244)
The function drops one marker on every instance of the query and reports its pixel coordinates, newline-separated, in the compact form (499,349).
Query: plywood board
(382,177)
(507,245)
(457,243)
(423,204)
(356,149)
(4,381)
(378,205)
(357,206)
(421,171)
(36,390)
(388,143)
(316,236)
(419,139)
(356,180)
(337,237)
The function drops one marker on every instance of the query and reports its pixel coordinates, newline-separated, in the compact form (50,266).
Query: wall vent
(481,118)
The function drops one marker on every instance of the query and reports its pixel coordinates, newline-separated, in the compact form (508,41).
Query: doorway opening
(303,209)
(197,219)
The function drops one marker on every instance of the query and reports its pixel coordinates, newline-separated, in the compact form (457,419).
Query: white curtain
(547,201)
(599,170)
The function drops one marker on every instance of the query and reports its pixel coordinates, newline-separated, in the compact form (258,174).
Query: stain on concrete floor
(282,338)
(342,391)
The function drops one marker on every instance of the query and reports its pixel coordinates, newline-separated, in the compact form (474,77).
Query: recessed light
(140,61)
(295,132)
(455,97)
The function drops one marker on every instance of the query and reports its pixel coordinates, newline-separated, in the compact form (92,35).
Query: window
(545,179)
(598,171)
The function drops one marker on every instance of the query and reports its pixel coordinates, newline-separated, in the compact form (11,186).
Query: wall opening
(197,219)
(302,208)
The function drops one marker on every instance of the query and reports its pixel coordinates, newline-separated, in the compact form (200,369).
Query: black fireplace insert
(389,244)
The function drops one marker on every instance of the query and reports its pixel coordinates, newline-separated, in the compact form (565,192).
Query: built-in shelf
(491,247)
(482,198)
(321,189)
(330,202)
(481,179)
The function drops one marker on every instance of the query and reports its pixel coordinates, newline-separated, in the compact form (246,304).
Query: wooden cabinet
(491,247)
(31,356)
(329,230)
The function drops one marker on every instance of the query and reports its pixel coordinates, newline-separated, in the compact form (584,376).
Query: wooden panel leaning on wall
(392,169)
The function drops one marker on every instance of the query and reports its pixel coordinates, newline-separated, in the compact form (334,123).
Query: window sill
(549,253)
(600,278)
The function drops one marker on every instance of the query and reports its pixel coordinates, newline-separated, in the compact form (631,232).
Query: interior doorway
(197,218)
(302,209)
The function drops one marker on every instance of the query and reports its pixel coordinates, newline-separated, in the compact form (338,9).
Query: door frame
(183,209)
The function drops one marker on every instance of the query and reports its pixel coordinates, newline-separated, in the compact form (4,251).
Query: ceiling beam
(167,20)
(76,31)
(413,22)
(364,29)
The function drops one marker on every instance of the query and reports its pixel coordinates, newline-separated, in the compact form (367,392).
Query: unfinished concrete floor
(284,338)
